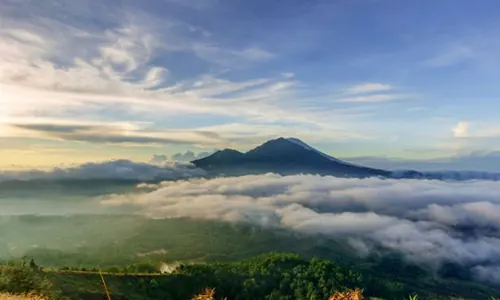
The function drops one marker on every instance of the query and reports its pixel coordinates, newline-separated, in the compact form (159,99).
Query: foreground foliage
(273,276)
(27,279)
(5,296)
(132,248)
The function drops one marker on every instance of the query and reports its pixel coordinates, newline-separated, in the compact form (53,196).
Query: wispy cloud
(230,57)
(373,98)
(478,50)
(126,65)
(369,88)
(117,69)
(247,133)
(113,133)
(211,86)
(451,56)
(371,92)
(118,72)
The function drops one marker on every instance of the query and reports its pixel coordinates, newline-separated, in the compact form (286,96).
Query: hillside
(272,276)
(130,250)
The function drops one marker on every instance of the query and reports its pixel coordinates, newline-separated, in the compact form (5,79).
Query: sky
(98,80)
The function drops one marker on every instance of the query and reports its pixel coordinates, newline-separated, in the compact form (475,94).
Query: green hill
(234,259)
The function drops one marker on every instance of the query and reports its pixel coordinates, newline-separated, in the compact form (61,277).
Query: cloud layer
(112,170)
(430,222)
(485,165)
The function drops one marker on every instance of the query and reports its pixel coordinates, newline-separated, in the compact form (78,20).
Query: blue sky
(96,80)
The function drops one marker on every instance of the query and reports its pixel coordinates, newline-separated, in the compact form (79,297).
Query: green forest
(65,254)
(270,276)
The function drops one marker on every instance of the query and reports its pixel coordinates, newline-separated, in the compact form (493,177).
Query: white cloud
(255,53)
(186,156)
(451,56)
(107,132)
(27,37)
(461,130)
(55,69)
(479,133)
(208,86)
(369,88)
(373,98)
(283,85)
(478,50)
(239,135)
(230,57)
(189,156)
(32,84)
(115,71)
(477,214)
(114,170)
(158,159)
(420,219)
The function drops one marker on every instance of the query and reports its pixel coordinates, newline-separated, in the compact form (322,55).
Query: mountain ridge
(283,156)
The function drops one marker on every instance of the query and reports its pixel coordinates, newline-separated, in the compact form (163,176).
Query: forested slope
(273,276)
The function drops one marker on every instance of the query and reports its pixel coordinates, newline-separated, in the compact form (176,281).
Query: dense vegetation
(272,276)
(133,248)
(109,240)
(22,278)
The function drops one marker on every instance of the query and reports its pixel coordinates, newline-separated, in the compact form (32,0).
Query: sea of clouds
(429,221)
(160,167)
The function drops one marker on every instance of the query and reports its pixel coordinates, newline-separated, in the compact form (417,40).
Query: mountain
(283,156)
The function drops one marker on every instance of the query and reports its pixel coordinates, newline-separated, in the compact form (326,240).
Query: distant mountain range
(288,156)
(283,156)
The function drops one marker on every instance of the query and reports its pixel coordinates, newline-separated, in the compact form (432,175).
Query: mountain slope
(283,156)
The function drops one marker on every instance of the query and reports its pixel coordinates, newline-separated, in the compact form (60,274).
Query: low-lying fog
(430,222)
